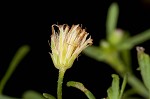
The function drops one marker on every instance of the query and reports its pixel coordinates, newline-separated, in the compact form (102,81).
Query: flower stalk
(59,83)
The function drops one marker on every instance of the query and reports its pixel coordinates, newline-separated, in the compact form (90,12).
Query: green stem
(59,83)
(129,93)
(138,86)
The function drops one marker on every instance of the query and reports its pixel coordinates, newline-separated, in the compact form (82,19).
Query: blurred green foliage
(115,51)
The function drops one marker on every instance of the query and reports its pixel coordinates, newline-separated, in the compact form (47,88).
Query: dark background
(30,23)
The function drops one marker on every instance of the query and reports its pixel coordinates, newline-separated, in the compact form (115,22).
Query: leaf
(32,95)
(135,40)
(113,91)
(112,18)
(20,54)
(94,52)
(144,63)
(48,96)
(80,86)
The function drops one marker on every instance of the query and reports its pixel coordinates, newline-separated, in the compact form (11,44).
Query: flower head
(67,43)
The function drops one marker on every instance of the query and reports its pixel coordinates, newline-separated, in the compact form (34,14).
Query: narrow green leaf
(113,91)
(20,54)
(135,40)
(144,63)
(81,87)
(112,17)
(48,96)
(94,52)
(32,95)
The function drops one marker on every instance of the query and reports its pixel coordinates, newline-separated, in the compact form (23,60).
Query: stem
(128,93)
(59,83)
(138,86)
(126,57)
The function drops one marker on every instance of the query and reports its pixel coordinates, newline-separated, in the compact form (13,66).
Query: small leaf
(113,91)
(135,40)
(144,63)
(112,18)
(80,86)
(48,96)
(32,95)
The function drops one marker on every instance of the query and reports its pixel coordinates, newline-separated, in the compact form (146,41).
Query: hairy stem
(59,83)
